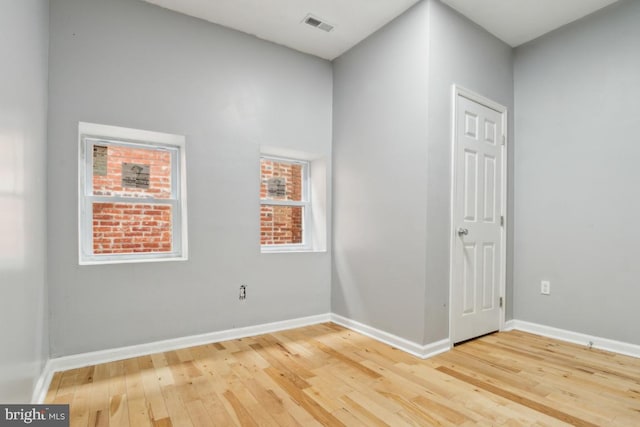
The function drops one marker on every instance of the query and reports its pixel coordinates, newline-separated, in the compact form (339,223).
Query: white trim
(476,97)
(452,205)
(285,153)
(466,93)
(418,350)
(319,187)
(415,349)
(42,385)
(128,136)
(104,356)
(607,344)
(294,203)
(305,203)
(277,249)
(503,207)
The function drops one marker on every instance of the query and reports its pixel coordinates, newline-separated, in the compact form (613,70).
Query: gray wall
(23,125)
(577,95)
(380,177)
(392,156)
(128,63)
(461,53)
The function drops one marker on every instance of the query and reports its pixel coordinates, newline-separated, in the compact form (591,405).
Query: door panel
(470,185)
(477,247)
(489,276)
(469,279)
(490,132)
(489,189)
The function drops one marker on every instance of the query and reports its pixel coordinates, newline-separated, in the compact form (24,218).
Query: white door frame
(466,93)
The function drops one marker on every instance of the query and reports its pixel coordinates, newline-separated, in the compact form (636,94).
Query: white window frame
(90,134)
(305,203)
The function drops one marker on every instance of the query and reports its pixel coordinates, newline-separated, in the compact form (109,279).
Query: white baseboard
(575,337)
(104,356)
(509,325)
(418,350)
(42,386)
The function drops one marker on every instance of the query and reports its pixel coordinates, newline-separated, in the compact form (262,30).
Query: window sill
(289,249)
(131,261)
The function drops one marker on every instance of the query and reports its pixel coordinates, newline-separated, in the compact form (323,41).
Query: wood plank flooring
(328,375)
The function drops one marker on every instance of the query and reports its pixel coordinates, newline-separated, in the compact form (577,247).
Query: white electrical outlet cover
(545,287)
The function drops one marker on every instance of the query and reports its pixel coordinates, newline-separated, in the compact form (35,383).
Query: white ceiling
(519,21)
(281,21)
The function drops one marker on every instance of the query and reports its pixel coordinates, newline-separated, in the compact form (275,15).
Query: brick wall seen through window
(120,228)
(281,181)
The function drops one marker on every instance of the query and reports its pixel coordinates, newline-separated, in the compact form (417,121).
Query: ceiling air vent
(318,23)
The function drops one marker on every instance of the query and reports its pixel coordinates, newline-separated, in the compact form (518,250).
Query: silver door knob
(462,231)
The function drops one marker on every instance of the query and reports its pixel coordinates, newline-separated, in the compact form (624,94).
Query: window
(285,209)
(132,195)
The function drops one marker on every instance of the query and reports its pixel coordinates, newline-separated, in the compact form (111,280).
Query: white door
(477,249)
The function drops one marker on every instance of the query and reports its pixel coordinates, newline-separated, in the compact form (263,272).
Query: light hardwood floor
(328,375)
